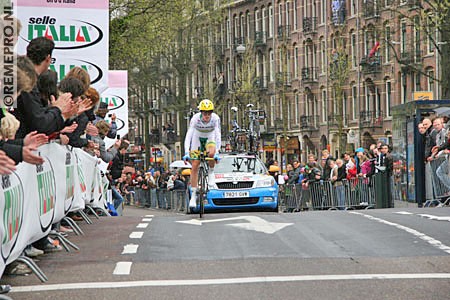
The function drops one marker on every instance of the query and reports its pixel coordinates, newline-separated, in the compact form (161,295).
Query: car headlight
(267,182)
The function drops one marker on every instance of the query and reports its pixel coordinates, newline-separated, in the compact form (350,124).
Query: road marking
(136,234)
(142,225)
(130,249)
(123,268)
(253,223)
(433,242)
(149,216)
(438,218)
(403,213)
(147,219)
(224,281)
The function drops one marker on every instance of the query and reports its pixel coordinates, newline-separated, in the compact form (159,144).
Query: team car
(242,182)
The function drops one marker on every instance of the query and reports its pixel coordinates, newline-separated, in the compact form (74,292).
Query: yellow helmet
(206,105)
(186,172)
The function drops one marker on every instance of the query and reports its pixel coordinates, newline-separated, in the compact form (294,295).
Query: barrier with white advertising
(34,197)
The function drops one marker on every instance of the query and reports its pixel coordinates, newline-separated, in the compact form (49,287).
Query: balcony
(411,57)
(154,137)
(261,82)
(309,123)
(260,38)
(371,9)
(310,75)
(310,25)
(371,65)
(369,118)
(283,79)
(238,41)
(284,32)
(338,16)
(336,120)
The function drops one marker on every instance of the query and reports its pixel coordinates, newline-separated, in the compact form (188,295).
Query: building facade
(327,72)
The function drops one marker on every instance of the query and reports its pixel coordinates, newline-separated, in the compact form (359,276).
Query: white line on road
(136,234)
(130,249)
(123,268)
(142,225)
(147,219)
(223,281)
(149,216)
(432,241)
(403,213)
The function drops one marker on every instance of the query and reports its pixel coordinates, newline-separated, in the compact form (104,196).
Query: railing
(260,38)
(371,9)
(411,57)
(309,25)
(309,75)
(370,118)
(261,82)
(335,120)
(283,78)
(284,32)
(309,123)
(371,64)
(338,17)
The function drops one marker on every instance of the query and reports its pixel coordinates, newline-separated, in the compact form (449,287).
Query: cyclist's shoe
(193,201)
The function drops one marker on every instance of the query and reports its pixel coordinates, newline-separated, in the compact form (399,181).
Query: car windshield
(244,164)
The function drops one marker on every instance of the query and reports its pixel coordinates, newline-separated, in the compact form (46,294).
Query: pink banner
(93,4)
(117,79)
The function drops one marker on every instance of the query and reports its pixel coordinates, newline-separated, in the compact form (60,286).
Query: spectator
(30,111)
(101,114)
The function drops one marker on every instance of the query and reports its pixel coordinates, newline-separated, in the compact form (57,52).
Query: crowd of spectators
(68,113)
(364,163)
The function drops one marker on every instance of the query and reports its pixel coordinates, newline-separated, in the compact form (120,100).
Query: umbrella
(180,164)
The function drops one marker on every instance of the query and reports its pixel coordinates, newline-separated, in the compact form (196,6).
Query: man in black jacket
(116,171)
(31,113)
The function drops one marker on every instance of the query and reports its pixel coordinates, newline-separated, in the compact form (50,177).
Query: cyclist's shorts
(205,146)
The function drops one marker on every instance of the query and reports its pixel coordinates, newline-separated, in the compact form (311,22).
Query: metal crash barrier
(357,193)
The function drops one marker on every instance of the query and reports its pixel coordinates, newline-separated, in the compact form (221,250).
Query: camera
(118,136)
(109,115)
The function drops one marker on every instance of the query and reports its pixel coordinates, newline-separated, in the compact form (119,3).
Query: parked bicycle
(254,133)
(238,135)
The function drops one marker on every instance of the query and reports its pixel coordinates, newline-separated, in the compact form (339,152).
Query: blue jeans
(117,197)
(340,197)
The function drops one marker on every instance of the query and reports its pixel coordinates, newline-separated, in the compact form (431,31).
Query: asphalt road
(368,254)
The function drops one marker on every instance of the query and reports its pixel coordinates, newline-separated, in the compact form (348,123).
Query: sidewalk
(404,204)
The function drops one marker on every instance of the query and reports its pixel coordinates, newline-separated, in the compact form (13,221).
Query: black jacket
(75,139)
(13,149)
(33,115)
(117,166)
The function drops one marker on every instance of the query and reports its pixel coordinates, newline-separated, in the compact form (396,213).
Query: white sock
(210,171)
(194,190)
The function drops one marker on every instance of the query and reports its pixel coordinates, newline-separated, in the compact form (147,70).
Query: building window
(295,61)
(271,62)
(287,13)
(295,15)
(228,33)
(404,85)
(297,109)
(241,26)
(324,105)
(323,13)
(280,14)
(305,11)
(323,55)
(388,98)
(431,33)
(417,79)
(280,60)
(270,21)
(430,80)
(248,24)
(366,97)
(353,49)
(264,19)
(272,110)
(257,20)
(403,37)
(387,47)
(352,7)
(354,102)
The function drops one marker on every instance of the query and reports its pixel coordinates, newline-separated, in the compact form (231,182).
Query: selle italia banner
(116,97)
(80,30)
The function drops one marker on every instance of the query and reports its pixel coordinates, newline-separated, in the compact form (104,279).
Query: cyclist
(204,134)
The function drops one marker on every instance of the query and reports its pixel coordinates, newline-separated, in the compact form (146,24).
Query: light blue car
(242,182)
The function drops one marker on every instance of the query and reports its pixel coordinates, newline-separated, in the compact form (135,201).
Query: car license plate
(236,194)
